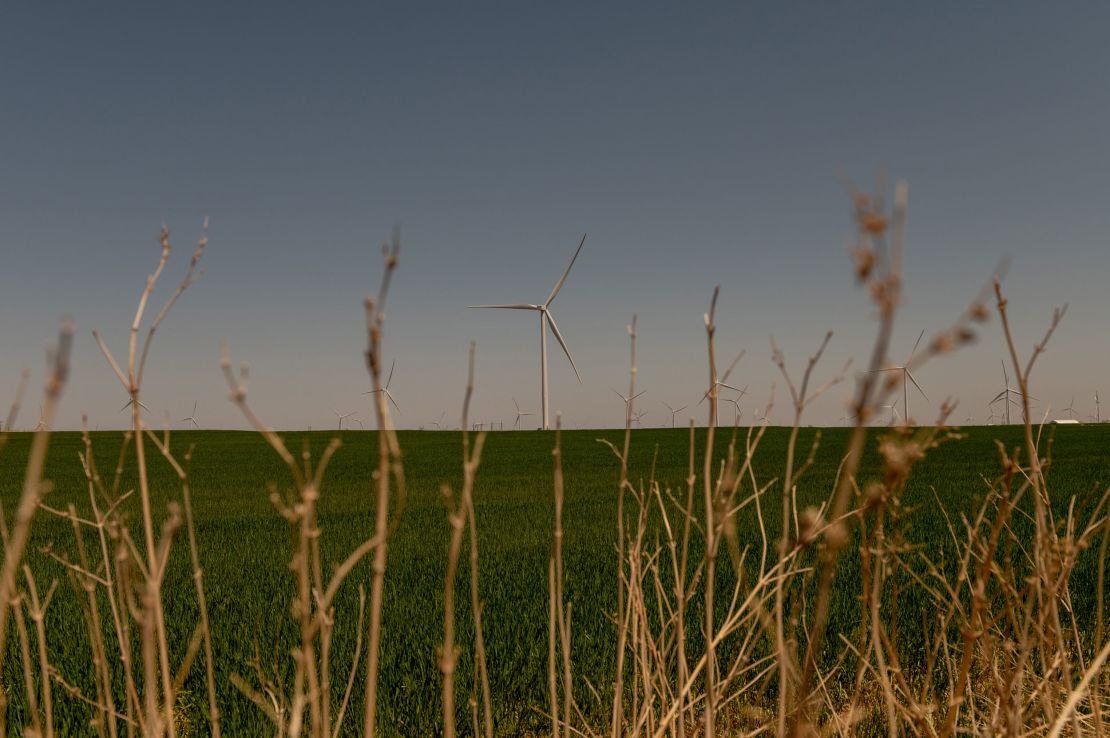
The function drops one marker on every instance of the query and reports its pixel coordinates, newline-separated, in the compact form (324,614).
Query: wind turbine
(342,416)
(385,390)
(1005,394)
(628,403)
(1098,409)
(42,424)
(1070,409)
(547,319)
(722,382)
(736,404)
(638,417)
(674,412)
(439,423)
(519,414)
(192,416)
(907,377)
(893,407)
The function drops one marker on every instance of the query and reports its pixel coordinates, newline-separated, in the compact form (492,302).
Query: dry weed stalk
(307,710)
(461,516)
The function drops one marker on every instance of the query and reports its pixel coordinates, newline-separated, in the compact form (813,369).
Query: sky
(696,145)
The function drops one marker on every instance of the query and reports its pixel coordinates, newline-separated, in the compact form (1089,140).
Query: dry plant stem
(1046,535)
(886,290)
(374,318)
(37,611)
(16,539)
(562,610)
(458,518)
(617,721)
(710,526)
(799,398)
(132,383)
(198,579)
(471,461)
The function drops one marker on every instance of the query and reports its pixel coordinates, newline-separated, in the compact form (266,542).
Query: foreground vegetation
(913,580)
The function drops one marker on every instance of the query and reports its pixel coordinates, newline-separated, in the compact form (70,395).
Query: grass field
(245,548)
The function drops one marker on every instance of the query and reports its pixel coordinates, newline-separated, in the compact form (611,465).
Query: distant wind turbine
(1070,409)
(715,388)
(628,403)
(519,414)
(342,416)
(907,377)
(736,404)
(192,416)
(1098,409)
(674,412)
(893,407)
(547,319)
(385,389)
(1006,393)
(638,417)
(42,424)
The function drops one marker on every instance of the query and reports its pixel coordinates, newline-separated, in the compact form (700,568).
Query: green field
(244,548)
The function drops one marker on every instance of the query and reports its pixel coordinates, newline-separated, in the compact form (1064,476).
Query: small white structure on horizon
(1064,421)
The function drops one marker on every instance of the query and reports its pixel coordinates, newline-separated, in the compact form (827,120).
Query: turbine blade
(917,342)
(739,356)
(390,379)
(915,384)
(997,397)
(559,284)
(390,396)
(559,338)
(517,306)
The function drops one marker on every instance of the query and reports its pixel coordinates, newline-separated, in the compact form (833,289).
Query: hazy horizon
(694,148)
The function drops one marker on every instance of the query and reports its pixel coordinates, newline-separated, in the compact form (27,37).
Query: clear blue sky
(695,145)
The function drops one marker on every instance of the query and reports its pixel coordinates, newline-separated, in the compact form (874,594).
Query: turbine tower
(547,319)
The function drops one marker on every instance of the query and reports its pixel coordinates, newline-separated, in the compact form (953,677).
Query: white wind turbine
(736,404)
(547,319)
(628,417)
(1098,409)
(519,414)
(342,416)
(722,382)
(385,389)
(638,417)
(907,377)
(1006,393)
(42,424)
(893,407)
(674,412)
(192,416)
(1070,409)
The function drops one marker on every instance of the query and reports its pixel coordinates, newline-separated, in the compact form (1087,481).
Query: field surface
(245,545)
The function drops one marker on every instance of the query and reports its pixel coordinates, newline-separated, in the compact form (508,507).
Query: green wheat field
(245,546)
